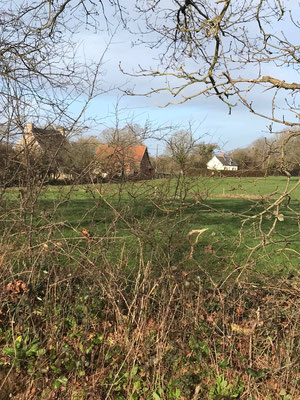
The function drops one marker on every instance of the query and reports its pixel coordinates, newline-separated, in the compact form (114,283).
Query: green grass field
(161,213)
(112,292)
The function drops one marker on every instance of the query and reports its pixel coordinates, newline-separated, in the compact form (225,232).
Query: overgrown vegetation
(116,293)
(173,289)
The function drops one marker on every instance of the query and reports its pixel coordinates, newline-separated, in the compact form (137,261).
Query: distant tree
(202,153)
(288,151)
(9,164)
(164,164)
(80,157)
(180,148)
(260,154)
(243,158)
(128,135)
(258,151)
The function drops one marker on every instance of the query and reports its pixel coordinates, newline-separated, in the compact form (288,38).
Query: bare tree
(79,159)
(233,50)
(202,153)
(287,148)
(243,158)
(180,147)
(129,135)
(44,79)
(41,73)
(236,51)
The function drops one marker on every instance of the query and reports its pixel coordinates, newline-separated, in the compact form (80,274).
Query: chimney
(223,155)
(29,127)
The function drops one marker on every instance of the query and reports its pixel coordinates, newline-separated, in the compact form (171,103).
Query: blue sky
(230,131)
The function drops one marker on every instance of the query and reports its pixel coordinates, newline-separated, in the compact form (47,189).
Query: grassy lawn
(160,214)
(107,286)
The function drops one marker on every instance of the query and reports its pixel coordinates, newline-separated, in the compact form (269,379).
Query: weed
(223,389)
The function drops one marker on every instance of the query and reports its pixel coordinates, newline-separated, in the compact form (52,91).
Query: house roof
(47,140)
(127,153)
(227,161)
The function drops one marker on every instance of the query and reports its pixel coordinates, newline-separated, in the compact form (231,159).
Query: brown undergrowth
(84,317)
(96,330)
(242,196)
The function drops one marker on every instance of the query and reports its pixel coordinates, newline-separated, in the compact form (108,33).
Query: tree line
(278,154)
(75,159)
(236,52)
(183,153)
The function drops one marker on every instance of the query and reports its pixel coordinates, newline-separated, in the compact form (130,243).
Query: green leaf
(9,351)
(89,349)
(155,396)
(136,386)
(62,380)
(41,352)
(224,363)
(56,384)
(134,370)
(32,350)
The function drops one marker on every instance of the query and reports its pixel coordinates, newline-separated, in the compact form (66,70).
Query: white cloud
(237,129)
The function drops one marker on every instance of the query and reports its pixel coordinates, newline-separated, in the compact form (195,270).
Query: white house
(222,163)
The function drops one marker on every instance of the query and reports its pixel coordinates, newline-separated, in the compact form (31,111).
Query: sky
(210,115)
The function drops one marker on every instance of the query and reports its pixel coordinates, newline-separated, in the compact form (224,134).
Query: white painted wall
(215,164)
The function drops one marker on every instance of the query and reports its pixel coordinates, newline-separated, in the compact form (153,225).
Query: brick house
(47,148)
(41,139)
(124,161)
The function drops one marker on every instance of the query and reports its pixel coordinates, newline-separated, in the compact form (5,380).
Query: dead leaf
(209,249)
(242,330)
(240,310)
(86,234)
(212,318)
(16,287)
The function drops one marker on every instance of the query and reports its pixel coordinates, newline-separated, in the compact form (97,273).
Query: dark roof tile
(227,161)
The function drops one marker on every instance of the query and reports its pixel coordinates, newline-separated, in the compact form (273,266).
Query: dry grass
(80,320)
(242,196)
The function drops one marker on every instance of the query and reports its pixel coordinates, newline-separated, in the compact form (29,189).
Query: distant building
(46,140)
(124,161)
(222,163)
(46,147)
